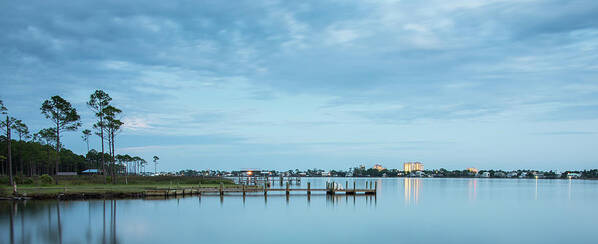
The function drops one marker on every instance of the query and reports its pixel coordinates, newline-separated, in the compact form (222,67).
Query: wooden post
(221,188)
(265,190)
(376,188)
(287,188)
(243,190)
(353,186)
(346,185)
(308,188)
(333,187)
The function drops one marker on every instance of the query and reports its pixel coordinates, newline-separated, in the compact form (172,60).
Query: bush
(4,180)
(46,179)
(21,180)
(27,181)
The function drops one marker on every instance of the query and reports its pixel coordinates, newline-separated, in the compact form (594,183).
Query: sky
(317,84)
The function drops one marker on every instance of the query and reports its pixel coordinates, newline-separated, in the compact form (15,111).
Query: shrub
(27,181)
(22,180)
(46,179)
(4,180)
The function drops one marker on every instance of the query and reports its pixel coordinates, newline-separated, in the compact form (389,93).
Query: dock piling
(221,188)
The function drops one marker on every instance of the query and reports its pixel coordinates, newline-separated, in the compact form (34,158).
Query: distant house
(325,174)
(500,174)
(91,172)
(573,175)
(484,175)
(378,167)
(512,174)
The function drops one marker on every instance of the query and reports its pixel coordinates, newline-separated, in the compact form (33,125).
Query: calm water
(404,211)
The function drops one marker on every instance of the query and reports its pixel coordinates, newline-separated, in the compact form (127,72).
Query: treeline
(43,153)
(37,158)
(32,158)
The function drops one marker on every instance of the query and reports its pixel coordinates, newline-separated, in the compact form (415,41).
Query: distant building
(378,167)
(538,175)
(413,166)
(500,174)
(473,170)
(573,175)
(484,175)
(362,167)
(325,174)
(512,174)
(91,172)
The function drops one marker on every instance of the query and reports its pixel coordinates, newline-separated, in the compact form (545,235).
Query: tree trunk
(57,151)
(9,152)
(113,160)
(57,147)
(102,156)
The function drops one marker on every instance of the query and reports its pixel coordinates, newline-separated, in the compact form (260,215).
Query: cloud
(276,72)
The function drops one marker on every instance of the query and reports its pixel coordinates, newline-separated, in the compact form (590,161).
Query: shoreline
(89,192)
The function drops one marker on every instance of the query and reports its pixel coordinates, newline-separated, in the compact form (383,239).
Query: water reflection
(52,231)
(448,202)
(351,199)
(473,189)
(536,192)
(412,187)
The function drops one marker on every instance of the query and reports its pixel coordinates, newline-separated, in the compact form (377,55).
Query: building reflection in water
(473,189)
(412,188)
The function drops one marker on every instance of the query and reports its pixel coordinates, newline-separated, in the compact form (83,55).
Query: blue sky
(326,84)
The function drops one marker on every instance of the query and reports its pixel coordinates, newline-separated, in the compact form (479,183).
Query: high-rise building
(413,166)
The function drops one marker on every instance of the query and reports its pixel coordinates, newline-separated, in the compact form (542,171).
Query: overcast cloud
(326,84)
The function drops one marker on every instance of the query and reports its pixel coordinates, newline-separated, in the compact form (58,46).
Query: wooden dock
(331,189)
(259,180)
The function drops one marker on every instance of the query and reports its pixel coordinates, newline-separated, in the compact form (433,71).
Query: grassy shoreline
(85,187)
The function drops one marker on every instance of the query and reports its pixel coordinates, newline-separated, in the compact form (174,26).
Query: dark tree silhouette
(85,137)
(98,101)
(63,116)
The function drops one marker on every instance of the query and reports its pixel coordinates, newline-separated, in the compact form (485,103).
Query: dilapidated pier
(332,188)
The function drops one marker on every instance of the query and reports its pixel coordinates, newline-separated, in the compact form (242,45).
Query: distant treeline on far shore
(372,172)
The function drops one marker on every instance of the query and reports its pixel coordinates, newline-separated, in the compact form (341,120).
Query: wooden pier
(260,180)
(332,188)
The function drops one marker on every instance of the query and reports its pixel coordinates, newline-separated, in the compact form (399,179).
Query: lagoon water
(405,210)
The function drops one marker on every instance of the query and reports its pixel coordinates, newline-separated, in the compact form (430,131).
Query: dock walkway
(331,189)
